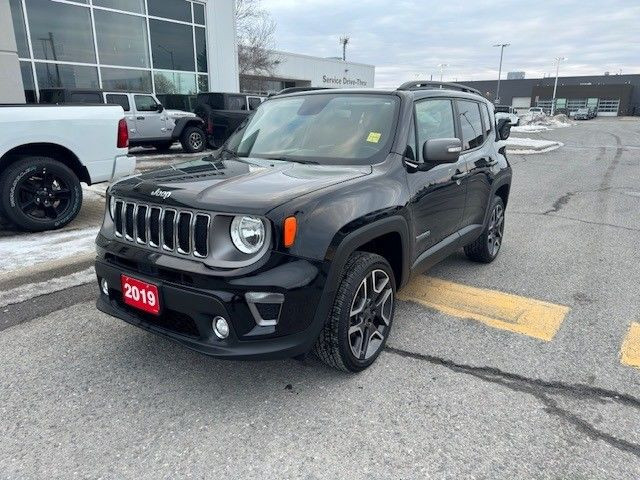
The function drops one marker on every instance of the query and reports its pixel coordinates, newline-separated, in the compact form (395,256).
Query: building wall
(303,70)
(177,46)
(11,90)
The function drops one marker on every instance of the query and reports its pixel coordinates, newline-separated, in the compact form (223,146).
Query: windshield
(331,128)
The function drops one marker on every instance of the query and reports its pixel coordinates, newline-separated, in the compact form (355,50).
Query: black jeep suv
(296,234)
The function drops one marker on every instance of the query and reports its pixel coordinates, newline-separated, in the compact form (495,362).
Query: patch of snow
(533,152)
(33,290)
(541,120)
(95,192)
(531,142)
(26,250)
(529,129)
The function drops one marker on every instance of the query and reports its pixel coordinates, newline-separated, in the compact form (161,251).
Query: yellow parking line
(517,314)
(630,351)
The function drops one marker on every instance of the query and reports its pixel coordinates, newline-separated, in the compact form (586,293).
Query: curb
(46,271)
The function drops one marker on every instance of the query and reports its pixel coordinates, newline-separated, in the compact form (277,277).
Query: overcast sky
(407,39)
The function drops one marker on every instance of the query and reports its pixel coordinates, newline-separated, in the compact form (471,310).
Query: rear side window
(470,124)
(434,119)
(486,119)
(145,103)
(121,100)
(254,102)
(237,103)
(82,97)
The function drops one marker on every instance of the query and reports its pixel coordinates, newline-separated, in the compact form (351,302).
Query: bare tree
(255,30)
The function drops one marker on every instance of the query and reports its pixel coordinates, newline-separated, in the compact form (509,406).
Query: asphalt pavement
(88,396)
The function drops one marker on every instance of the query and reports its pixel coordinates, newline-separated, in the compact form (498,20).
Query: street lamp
(501,45)
(555,84)
(442,66)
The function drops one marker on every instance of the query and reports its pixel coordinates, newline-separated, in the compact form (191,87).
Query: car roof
(414,93)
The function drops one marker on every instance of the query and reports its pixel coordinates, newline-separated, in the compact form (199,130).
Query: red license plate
(141,295)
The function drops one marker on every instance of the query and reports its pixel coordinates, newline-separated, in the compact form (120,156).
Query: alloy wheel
(496,230)
(195,140)
(43,195)
(370,314)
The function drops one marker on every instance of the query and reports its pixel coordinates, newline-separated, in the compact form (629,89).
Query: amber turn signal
(290,230)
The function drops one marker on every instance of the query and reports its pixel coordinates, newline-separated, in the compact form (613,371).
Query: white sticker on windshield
(374,137)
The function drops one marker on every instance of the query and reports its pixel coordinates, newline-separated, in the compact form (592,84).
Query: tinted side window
(410,151)
(85,98)
(121,100)
(254,102)
(237,103)
(470,123)
(486,119)
(145,103)
(434,119)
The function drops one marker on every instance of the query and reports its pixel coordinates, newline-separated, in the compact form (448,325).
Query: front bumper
(191,297)
(123,166)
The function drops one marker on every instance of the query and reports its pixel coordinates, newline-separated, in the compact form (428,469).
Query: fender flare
(505,180)
(184,122)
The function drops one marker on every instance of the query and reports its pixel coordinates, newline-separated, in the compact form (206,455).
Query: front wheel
(40,193)
(362,314)
(486,247)
(193,140)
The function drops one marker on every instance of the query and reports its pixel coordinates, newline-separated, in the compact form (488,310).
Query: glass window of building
(27,82)
(60,31)
(122,39)
(203,83)
(173,9)
(198,13)
(126,80)
(201,49)
(174,82)
(135,6)
(53,75)
(19,28)
(172,45)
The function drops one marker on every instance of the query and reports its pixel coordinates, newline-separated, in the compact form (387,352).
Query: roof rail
(284,91)
(430,85)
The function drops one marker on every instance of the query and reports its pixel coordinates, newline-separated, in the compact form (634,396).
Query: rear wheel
(40,193)
(193,139)
(487,246)
(362,314)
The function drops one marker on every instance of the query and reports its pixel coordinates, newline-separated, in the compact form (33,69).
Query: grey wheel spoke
(386,306)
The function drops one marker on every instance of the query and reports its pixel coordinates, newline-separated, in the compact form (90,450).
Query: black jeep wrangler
(295,235)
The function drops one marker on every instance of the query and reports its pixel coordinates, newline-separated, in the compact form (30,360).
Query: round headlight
(248,234)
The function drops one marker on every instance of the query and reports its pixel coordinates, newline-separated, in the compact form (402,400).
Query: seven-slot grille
(172,230)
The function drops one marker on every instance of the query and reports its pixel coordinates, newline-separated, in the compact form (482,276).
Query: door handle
(140,118)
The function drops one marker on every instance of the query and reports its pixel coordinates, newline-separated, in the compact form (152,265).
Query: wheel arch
(50,150)
(185,122)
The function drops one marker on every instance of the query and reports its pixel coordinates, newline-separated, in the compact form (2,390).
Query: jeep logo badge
(161,193)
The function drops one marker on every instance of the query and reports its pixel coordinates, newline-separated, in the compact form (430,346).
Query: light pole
(442,66)
(555,84)
(501,45)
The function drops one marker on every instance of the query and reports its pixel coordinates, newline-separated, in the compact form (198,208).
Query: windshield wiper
(289,159)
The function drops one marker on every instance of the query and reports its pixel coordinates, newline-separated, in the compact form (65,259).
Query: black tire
(335,346)
(483,249)
(26,202)
(193,139)
(505,131)
(163,146)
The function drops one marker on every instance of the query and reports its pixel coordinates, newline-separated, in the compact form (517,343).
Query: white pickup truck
(46,151)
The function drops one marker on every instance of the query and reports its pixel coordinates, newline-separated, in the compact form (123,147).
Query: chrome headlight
(248,234)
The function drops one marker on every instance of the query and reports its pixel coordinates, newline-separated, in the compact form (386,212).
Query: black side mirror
(504,129)
(160,108)
(441,150)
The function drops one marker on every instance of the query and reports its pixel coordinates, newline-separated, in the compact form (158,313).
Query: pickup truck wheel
(362,314)
(487,246)
(193,139)
(40,193)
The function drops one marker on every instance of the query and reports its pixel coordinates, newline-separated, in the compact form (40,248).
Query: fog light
(104,286)
(220,327)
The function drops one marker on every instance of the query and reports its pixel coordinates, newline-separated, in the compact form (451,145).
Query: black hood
(246,185)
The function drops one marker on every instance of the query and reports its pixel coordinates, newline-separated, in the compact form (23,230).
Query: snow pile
(542,120)
(529,146)
(27,249)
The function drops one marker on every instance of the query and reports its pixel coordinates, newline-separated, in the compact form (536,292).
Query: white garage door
(521,104)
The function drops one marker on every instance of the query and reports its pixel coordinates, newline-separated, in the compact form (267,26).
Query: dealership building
(159,46)
(611,95)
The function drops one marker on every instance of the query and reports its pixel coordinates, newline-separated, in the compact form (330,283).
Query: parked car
(150,124)
(222,113)
(582,114)
(537,111)
(296,235)
(508,112)
(593,112)
(46,151)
